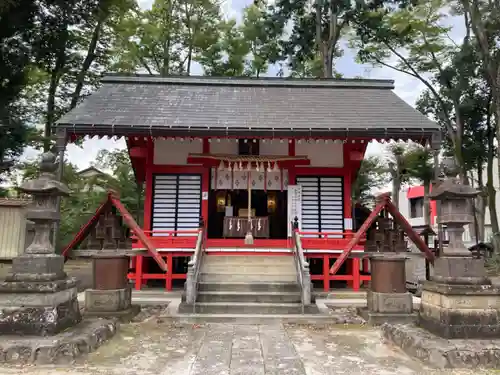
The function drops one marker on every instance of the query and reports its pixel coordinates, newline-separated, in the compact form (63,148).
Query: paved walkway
(161,348)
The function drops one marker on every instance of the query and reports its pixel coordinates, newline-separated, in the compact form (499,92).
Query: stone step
(253,319)
(245,308)
(241,260)
(249,268)
(248,277)
(254,297)
(248,286)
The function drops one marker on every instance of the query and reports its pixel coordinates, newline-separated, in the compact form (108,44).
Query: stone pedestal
(388,299)
(37,298)
(111,294)
(459,301)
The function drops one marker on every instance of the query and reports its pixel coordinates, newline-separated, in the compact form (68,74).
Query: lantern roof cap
(453,188)
(47,182)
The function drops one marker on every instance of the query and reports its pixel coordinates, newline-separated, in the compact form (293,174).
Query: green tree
(420,167)
(396,166)
(371,175)
(17,21)
(122,180)
(263,46)
(226,51)
(413,40)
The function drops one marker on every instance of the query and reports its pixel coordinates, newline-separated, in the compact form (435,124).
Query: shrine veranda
(202,146)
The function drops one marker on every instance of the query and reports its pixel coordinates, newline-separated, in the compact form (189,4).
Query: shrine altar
(236,226)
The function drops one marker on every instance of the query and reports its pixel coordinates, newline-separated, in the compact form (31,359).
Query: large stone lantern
(37,298)
(459,300)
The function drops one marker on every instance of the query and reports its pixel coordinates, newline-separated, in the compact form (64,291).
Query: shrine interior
(268,206)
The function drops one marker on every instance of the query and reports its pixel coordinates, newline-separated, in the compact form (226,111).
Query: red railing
(327,240)
(169,239)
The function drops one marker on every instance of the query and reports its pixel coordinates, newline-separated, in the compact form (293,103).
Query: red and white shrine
(246,157)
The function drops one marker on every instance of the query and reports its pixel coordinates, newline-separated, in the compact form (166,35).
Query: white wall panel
(176,202)
(322,204)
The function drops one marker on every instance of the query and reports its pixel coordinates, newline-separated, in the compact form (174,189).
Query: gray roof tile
(125,104)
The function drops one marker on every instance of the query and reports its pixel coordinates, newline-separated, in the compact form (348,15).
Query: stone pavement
(163,347)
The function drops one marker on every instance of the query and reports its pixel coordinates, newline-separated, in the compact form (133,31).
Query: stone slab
(63,348)
(123,316)
(38,287)
(34,267)
(107,300)
(459,270)
(377,319)
(41,320)
(462,290)
(389,302)
(460,323)
(8,300)
(483,301)
(440,352)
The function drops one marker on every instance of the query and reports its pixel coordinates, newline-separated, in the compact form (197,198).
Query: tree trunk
(490,187)
(427,203)
(55,76)
(396,186)
(480,206)
(89,59)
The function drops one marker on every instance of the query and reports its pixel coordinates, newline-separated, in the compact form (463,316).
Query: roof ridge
(249,81)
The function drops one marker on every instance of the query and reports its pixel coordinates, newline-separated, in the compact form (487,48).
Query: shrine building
(245,157)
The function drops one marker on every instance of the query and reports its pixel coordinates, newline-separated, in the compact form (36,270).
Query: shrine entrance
(228,214)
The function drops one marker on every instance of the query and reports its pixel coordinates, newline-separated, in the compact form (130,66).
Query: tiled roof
(242,106)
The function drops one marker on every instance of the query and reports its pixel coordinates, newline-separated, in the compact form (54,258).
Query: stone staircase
(254,284)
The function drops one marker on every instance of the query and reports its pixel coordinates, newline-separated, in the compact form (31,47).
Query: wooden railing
(302,268)
(326,240)
(169,239)
(194,265)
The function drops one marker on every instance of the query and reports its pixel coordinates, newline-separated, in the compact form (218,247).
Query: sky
(406,87)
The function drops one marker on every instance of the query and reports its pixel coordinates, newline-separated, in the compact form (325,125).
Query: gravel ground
(157,347)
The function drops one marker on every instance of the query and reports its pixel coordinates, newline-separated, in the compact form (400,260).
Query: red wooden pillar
(350,271)
(356,282)
(326,273)
(170,270)
(138,272)
(148,198)
(205,184)
(348,224)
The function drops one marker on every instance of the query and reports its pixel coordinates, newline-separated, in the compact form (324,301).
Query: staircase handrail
(302,266)
(194,269)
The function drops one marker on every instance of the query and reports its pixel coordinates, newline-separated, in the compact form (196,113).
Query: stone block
(439,352)
(37,268)
(62,348)
(390,302)
(460,311)
(37,299)
(459,270)
(108,301)
(39,320)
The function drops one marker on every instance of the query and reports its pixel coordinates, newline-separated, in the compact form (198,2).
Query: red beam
(138,232)
(357,237)
(416,239)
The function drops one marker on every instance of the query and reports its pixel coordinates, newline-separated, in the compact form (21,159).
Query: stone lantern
(459,300)
(37,298)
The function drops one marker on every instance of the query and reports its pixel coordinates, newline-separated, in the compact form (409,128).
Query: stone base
(438,352)
(38,308)
(460,311)
(123,316)
(459,270)
(108,301)
(62,348)
(377,319)
(32,267)
(389,303)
